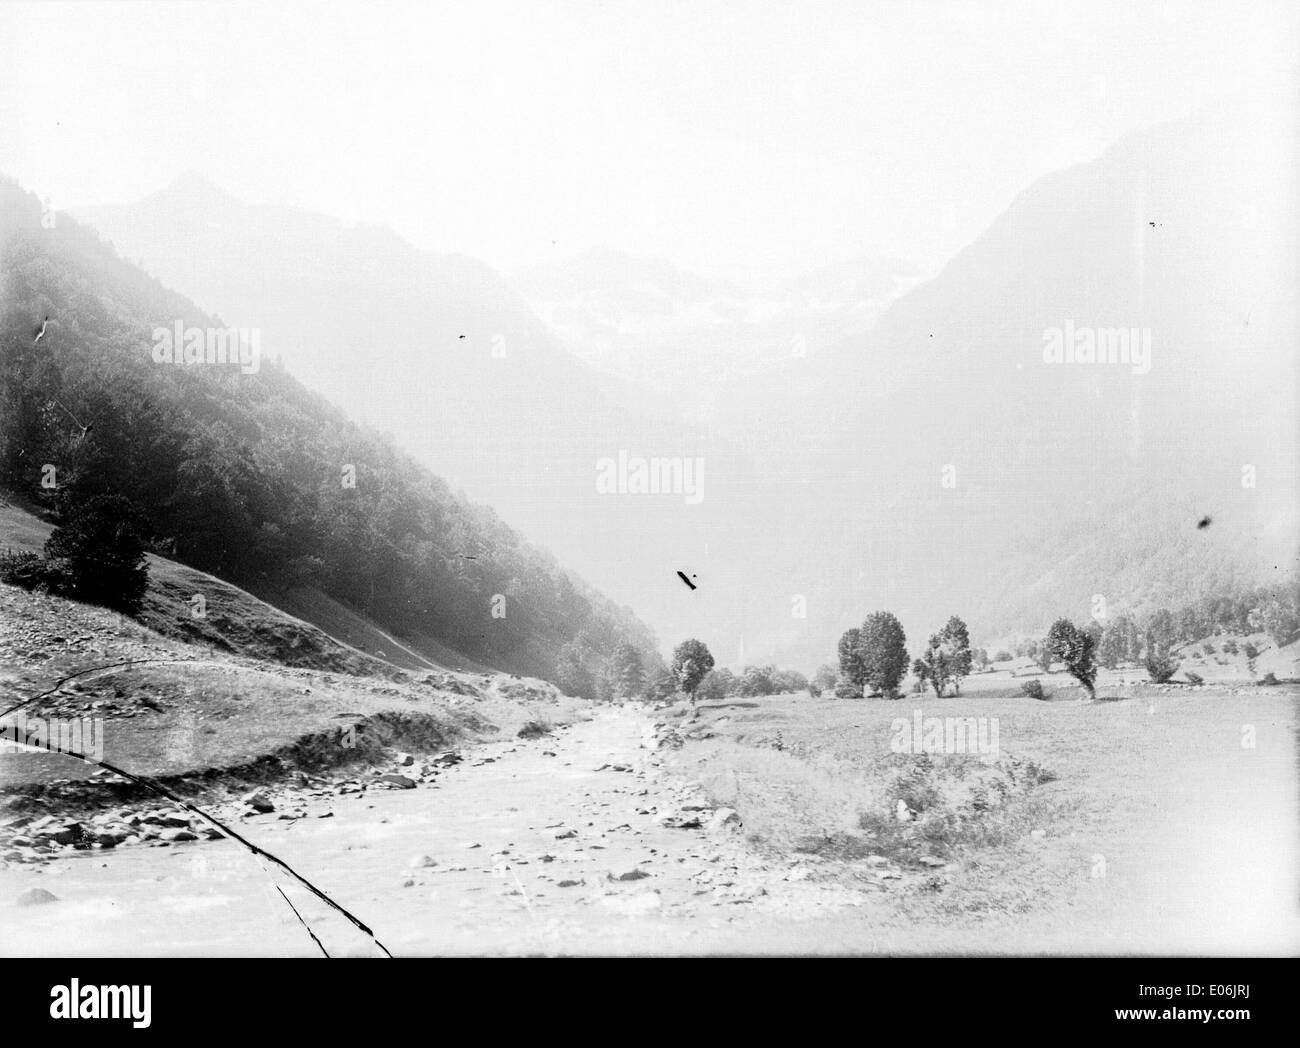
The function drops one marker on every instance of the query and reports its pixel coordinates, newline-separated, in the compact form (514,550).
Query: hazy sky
(750,140)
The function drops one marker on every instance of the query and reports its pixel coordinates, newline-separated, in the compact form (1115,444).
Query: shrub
(1230,647)
(757,680)
(536,730)
(1194,678)
(1250,651)
(1160,666)
(1269,679)
(714,686)
(846,689)
(1002,656)
(20,568)
(1034,689)
(97,553)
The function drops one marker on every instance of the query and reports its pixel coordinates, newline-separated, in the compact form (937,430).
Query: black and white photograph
(649,479)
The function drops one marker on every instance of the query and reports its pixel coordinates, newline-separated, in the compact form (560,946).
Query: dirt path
(518,850)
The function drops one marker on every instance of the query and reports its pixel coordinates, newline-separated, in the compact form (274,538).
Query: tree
(720,682)
(921,671)
(691,661)
(714,685)
(98,553)
(756,680)
(1160,631)
(1114,646)
(935,666)
(573,677)
(884,653)
(628,671)
(662,686)
(954,638)
(1076,648)
(852,668)
(825,677)
(788,682)
(1279,621)
(947,658)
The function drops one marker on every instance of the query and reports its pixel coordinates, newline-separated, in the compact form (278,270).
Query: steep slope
(247,475)
(1186,232)
(232,620)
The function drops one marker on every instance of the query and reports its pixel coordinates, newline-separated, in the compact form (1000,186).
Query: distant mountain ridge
(930,461)
(648,321)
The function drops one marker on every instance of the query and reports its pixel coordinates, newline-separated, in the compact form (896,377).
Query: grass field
(1161,821)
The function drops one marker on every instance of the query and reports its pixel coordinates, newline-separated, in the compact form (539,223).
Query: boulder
(628,873)
(259,801)
(178,835)
(678,820)
(66,834)
(400,782)
(725,820)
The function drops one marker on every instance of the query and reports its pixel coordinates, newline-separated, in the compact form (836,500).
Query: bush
(814,691)
(1160,666)
(1269,679)
(1002,656)
(714,687)
(19,568)
(1034,689)
(97,554)
(1194,678)
(536,730)
(846,689)
(1230,647)
(1207,648)
(1250,651)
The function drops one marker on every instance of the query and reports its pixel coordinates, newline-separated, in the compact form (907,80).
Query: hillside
(299,627)
(248,476)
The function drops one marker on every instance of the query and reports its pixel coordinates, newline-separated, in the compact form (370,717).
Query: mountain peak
(192,186)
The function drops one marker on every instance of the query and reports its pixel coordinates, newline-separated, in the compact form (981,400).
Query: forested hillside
(246,474)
